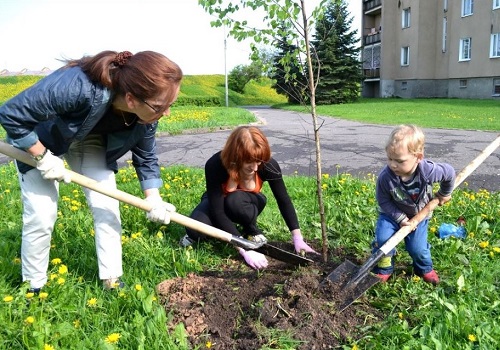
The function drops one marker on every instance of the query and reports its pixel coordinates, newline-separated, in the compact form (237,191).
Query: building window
(405,56)
(463,83)
(445,32)
(404,85)
(467,7)
(465,49)
(405,23)
(496,87)
(495,45)
(496,4)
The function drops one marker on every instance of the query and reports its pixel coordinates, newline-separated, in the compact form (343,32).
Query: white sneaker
(186,241)
(260,239)
(113,283)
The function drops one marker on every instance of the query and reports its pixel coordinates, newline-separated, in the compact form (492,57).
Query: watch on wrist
(40,156)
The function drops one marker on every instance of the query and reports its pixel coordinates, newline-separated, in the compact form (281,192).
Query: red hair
(246,144)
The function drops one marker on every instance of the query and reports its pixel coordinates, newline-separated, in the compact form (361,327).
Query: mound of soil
(240,308)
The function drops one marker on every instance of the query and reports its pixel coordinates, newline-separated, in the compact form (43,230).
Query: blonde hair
(406,135)
(245,144)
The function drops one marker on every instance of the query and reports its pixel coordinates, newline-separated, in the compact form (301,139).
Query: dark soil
(239,308)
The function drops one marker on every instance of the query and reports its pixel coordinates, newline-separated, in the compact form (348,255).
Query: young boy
(404,187)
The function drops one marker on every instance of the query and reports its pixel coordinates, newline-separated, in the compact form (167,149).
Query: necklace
(125,119)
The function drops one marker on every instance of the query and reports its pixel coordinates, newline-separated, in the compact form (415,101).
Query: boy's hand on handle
(255,259)
(442,199)
(301,247)
(52,168)
(161,210)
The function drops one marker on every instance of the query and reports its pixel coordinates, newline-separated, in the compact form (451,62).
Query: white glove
(161,210)
(255,259)
(52,168)
(301,246)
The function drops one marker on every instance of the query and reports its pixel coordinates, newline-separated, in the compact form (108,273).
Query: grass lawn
(74,312)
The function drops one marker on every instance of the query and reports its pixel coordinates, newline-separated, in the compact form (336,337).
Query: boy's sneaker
(431,277)
(383,278)
(113,283)
(186,241)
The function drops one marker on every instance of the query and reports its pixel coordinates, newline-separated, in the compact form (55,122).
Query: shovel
(352,281)
(264,248)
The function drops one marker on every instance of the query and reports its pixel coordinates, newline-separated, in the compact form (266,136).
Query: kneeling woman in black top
(233,197)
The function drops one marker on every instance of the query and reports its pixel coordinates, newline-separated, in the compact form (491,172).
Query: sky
(39,33)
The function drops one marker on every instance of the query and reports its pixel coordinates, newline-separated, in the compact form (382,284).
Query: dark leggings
(241,207)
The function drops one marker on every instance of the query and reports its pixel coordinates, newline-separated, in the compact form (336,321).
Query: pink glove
(255,259)
(300,245)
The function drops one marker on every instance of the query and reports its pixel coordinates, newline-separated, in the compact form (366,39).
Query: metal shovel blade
(349,292)
(283,255)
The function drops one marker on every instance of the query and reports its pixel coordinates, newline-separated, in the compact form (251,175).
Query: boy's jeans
(416,245)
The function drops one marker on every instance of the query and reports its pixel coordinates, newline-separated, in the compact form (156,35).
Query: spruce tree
(287,71)
(336,50)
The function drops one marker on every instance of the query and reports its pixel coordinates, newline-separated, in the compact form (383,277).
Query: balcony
(369,5)
(372,73)
(372,38)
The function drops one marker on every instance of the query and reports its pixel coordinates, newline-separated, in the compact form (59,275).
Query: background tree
(279,16)
(336,50)
(241,75)
(287,70)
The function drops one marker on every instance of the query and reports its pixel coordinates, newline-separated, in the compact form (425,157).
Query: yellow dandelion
(61,281)
(433,229)
(355,347)
(92,232)
(30,295)
(56,261)
(326,176)
(492,254)
(472,338)
(53,276)
(167,186)
(159,235)
(324,186)
(208,344)
(496,249)
(8,298)
(7,191)
(484,244)
(471,235)
(92,302)
(122,294)
(138,287)
(416,278)
(113,338)
(43,295)
(30,320)
(16,261)
(48,347)
(77,323)
(63,269)
(400,315)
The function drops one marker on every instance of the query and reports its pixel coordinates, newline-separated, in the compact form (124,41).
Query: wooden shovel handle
(422,214)
(121,196)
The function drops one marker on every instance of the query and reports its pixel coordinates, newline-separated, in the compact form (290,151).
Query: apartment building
(431,48)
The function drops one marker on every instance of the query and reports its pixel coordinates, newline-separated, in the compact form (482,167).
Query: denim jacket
(64,107)
(394,200)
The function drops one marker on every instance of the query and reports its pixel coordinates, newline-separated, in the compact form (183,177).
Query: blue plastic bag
(447,230)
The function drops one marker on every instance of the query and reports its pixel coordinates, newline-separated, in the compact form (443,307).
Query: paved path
(346,147)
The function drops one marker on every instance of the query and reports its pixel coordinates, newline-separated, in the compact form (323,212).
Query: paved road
(346,147)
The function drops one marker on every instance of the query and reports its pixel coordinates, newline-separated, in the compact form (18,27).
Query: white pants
(40,198)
